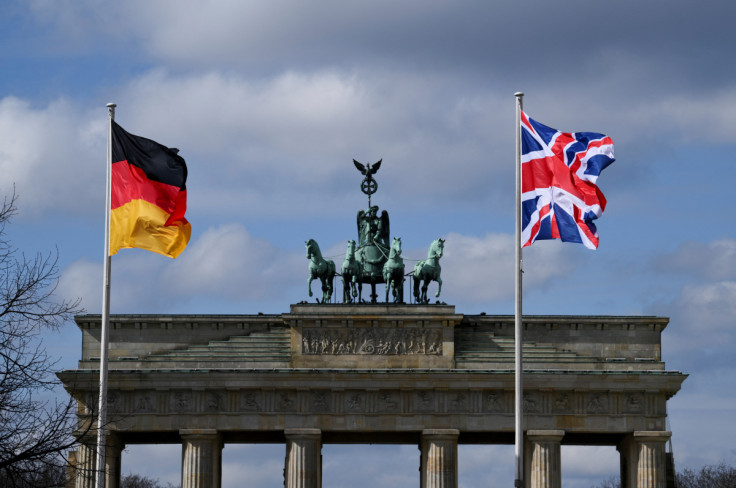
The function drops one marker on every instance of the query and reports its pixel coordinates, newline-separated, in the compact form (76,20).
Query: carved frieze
(458,402)
(381,402)
(634,403)
(114,402)
(251,401)
(181,402)
(320,401)
(285,401)
(493,402)
(389,401)
(355,402)
(561,403)
(145,402)
(371,341)
(214,401)
(532,403)
(424,401)
(597,403)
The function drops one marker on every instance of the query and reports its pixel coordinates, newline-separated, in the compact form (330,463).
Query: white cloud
(715,260)
(83,279)
(382,465)
(258,147)
(222,266)
(480,269)
(708,117)
(227,262)
(260,464)
(53,155)
(708,308)
(702,330)
(246,141)
(586,461)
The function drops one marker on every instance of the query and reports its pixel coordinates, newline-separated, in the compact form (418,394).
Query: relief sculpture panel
(372,341)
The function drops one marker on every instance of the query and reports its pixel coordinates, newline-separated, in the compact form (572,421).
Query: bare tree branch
(35,429)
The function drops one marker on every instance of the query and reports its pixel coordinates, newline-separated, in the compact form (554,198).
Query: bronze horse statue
(351,273)
(429,270)
(321,268)
(393,272)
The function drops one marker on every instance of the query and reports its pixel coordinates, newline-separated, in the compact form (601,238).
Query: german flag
(148,196)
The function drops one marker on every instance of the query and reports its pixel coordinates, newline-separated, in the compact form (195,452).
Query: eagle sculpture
(368,170)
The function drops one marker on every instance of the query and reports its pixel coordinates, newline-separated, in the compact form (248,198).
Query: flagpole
(518,327)
(105,326)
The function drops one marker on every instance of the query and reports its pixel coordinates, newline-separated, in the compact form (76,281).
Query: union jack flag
(559,195)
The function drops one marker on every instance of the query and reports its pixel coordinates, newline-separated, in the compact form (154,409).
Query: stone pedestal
(643,459)
(303,458)
(542,459)
(201,463)
(439,458)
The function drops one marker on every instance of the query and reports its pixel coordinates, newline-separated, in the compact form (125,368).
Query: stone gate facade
(420,374)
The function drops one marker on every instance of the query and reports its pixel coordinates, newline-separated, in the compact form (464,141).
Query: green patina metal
(393,272)
(320,268)
(374,258)
(429,270)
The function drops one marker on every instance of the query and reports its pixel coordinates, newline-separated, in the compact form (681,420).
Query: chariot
(374,258)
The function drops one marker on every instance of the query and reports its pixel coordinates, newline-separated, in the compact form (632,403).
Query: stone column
(643,459)
(439,458)
(201,458)
(542,467)
(113,454)
(71,470)
(86,458)
(303,458)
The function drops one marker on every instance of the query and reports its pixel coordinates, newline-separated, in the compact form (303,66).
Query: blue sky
(270,101)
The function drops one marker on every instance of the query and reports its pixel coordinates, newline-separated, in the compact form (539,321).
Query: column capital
(441,433)
(114,440)
(303,433)
(652,435)
(86,437)
(198,432)
(545,435)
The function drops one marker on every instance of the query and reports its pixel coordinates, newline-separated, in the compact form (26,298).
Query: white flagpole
(518,327)
(105,327)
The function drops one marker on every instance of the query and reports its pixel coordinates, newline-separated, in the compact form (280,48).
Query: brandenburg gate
(420,374)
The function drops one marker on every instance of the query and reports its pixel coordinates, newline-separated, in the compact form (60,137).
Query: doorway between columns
(370,465)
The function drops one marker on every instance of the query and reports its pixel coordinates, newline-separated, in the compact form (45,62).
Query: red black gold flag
(148,196)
